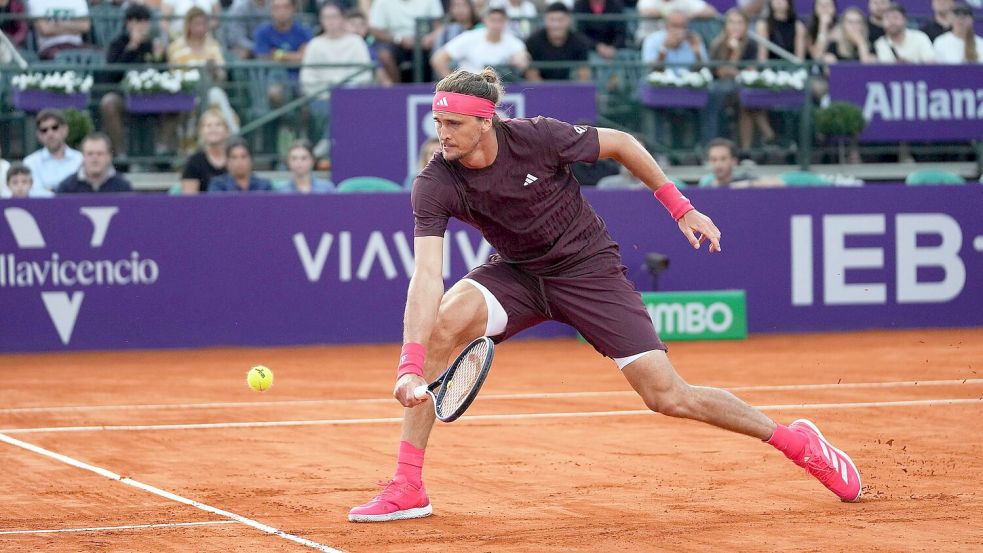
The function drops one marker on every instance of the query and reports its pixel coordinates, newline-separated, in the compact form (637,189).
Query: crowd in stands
(525,39)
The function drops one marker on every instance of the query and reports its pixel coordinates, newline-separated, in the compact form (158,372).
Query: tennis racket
(454,390)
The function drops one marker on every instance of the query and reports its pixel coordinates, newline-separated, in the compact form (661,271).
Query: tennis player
(555,261)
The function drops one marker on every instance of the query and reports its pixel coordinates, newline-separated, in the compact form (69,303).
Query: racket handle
(420,392)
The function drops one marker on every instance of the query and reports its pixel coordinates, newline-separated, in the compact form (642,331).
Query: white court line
(487,397)
(114,528)
(471,418)
(165,494)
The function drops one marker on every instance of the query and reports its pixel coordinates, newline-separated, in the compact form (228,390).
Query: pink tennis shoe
(398,500)
(829,465)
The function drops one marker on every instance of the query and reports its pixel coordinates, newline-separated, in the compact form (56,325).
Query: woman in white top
(960,45)
(172,14)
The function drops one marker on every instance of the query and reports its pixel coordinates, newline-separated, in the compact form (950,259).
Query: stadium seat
(369,184)
(803,178)
(934,176)
(107,23)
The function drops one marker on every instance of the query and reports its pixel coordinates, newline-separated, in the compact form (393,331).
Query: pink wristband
(677,204)
(411,360)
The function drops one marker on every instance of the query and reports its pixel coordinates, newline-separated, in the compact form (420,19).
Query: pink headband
(463,104)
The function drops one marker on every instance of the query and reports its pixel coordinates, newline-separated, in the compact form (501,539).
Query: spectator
(429,149)
(335,45)
(19,183)
(520,14)
(558,42)
(173,14)
(393,23)
(473,50)
(901,44)
(674,46)
(782,27)
(55,160)
(4,166)
(941,21)
(820,28)
(245,17)
(300,161)
(15,29)
(850,41)
(650,10)
(59,25)
(197,47)
(723,162)
(607,36)
(961,44)
(134,46)
(461,16)
(240,177)
(875,18)
(282,40)
(732,46)
(209,161)
(97,173)
(356,24)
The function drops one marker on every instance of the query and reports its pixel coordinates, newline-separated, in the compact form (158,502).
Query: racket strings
(458,387)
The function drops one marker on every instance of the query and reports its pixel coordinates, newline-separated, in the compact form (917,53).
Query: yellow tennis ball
(259,378)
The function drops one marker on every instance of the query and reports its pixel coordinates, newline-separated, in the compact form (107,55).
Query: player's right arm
(422,302)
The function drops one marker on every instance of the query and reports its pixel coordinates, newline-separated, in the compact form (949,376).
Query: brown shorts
(595,298)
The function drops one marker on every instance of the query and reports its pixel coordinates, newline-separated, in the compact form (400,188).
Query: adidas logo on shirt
(530,178)
(442,102)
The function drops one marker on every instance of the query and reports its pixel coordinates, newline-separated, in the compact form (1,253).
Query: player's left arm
(625,149)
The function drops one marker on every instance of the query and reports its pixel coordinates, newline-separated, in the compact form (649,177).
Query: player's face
(458,134)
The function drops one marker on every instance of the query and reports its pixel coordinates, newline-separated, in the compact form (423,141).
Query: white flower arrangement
(680,78)
(66,82)
(773,80)
(152,81)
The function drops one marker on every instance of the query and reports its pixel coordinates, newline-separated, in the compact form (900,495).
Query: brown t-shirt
(526,203)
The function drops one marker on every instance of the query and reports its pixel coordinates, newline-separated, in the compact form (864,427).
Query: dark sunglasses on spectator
(44,130)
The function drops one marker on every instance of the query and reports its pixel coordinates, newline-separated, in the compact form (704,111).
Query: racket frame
(438,387)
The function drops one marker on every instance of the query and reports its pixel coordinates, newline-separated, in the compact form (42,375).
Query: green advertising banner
(712,315)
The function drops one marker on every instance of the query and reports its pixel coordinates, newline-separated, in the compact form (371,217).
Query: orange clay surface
(592,482)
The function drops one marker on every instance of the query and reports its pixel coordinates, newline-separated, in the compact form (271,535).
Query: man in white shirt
(393,24)
(55,161)
(475,49)
(647,9)
(59,25)
(901,44)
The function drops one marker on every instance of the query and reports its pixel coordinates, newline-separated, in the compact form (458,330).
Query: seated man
(97,173)
(283,39)
(675,45)
(652,10)
(134,46)
(55,160)
(475,49)
(393,24)
(557,42)
(59,25)
(725,172)
(245,16)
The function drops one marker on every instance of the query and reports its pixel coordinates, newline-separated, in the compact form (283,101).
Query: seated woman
(960,45)
(782,27)
(240,177)
(427,151)
(734,46)
(849,40)
(300,161)
(198,48)
(208,161)
(461,16)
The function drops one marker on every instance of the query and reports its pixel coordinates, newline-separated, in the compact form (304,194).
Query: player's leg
(608,312)
(462,316)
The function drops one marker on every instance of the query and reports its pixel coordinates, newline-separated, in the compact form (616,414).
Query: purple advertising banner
(104,272)
(395,121)
(913,102)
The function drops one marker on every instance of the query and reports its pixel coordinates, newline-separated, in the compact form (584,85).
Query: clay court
(557,454)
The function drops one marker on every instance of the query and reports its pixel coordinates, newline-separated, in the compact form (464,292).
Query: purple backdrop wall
(145,272)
